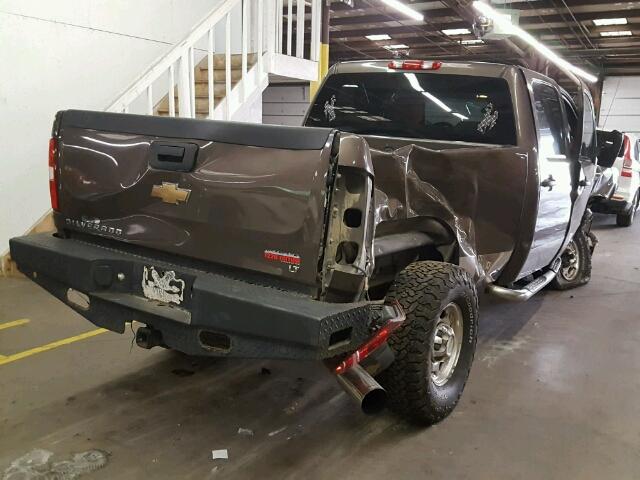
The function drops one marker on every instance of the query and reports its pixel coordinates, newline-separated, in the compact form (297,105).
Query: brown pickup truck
(360,239)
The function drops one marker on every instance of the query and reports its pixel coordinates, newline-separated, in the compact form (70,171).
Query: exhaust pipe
(148,337)
(364,389)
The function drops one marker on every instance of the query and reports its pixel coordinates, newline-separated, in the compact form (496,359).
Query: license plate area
(165,286)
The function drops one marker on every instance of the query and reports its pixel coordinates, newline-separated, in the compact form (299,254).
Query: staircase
(225,61)
(202,84)
(221,66)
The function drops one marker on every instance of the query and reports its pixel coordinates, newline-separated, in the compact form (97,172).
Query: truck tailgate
(243,195)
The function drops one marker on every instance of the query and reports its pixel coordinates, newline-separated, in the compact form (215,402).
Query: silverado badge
(165,288)
(170,193)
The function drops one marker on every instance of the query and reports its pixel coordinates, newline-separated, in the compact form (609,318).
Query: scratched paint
(39,465)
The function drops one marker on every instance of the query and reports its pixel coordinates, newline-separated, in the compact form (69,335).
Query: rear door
(584,166)
(554,174)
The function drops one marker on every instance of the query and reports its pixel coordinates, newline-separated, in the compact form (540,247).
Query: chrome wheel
(570,262)
(447,343)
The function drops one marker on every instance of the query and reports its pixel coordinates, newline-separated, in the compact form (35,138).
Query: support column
(323,61)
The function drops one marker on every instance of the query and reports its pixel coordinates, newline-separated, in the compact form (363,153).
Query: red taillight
(374,342)
(414,65)
(53,174)
(627,164)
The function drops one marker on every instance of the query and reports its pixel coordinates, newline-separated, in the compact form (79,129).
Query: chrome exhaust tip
(364,389)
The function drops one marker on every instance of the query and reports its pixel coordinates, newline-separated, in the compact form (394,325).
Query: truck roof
(452,67)
(481,69)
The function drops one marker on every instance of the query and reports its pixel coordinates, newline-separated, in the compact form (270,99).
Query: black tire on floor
(626,219)
(578,251)
(425,289)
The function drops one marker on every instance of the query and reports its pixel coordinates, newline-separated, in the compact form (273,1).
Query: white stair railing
(252,29)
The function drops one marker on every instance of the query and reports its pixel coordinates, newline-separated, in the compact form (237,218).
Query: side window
(549,119)
(588,130)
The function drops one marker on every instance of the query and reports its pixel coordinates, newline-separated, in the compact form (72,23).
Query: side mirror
(609,147)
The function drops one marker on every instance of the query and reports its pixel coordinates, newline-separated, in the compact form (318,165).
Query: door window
(549,120)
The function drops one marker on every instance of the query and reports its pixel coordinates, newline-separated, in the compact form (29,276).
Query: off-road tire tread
(420,289)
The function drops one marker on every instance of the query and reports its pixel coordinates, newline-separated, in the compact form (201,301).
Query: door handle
(549,183)
(174,157)
(169,153)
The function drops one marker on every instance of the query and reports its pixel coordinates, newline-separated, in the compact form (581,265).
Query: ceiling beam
(448,16)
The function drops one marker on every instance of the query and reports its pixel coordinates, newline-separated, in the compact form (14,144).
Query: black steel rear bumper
(220,315)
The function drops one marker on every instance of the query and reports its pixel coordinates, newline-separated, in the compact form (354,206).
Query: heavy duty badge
(170,193)
(290,259)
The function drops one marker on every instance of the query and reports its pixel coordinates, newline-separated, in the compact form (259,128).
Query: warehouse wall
(69,54)
(620,107)
(285,104)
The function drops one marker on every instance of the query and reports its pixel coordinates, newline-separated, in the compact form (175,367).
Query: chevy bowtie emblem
(170,193)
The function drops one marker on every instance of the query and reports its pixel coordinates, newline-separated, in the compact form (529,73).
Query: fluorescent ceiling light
(375,38)
(397,46)
(402,8)
(603,22)
(506,24)
(619,33)
(474,41)
(456,31)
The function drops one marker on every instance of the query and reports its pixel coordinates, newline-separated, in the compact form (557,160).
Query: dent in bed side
(476,193)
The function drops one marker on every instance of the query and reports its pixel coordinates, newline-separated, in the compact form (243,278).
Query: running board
(529,290)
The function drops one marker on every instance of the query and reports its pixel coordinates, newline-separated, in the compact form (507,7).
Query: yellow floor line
(15,323)
(50,346)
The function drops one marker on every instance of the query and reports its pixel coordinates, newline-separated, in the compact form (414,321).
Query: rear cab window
(419,105)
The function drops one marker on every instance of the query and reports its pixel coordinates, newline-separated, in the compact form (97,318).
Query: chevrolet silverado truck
(361,239)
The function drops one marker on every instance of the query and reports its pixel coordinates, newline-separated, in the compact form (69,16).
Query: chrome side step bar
(529,290)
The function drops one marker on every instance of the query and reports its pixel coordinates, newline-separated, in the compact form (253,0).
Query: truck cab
(508,150)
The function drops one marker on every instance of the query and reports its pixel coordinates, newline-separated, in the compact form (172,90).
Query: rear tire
(576,263)
(434,348)
(626,219)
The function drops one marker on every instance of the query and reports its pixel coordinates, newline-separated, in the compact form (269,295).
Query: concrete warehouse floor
(553,393)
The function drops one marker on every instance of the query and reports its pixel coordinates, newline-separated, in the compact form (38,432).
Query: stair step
(219,75)
(219,61)
(202,105)
(202,89)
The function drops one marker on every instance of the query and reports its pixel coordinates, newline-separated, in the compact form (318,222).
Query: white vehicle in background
(617,190)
